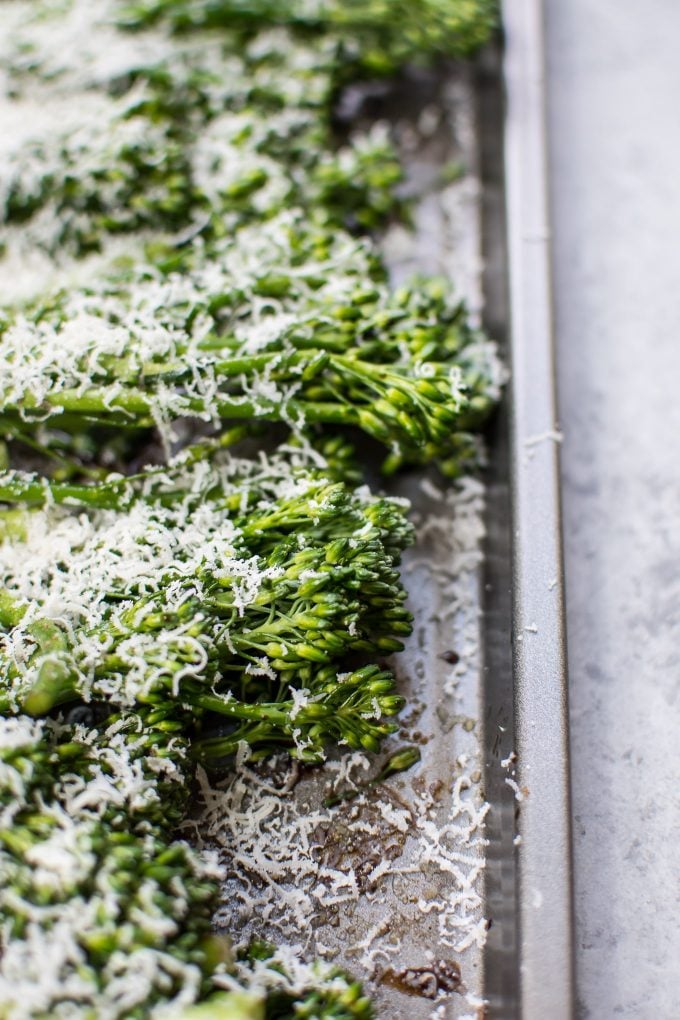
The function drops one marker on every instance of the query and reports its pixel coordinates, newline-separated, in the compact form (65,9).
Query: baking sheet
(420,886)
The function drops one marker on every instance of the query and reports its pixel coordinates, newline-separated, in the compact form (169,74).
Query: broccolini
(163,598)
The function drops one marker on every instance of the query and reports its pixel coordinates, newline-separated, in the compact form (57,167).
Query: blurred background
(613,85)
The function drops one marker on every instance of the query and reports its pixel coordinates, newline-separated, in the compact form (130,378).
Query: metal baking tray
(447,889)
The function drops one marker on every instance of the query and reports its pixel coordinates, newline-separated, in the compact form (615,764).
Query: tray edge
(544,853)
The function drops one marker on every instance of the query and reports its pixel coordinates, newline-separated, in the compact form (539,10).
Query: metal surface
(539,648)
(500,956)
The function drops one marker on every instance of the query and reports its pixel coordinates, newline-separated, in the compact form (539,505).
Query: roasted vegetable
(224,586)
(285,325)
(163,599)
(99,905)
(378,36)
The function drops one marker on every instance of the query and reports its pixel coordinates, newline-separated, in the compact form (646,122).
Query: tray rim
(544,854)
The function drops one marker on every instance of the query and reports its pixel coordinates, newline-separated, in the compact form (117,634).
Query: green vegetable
(339,350)
(208,139)
(226,1006)
(94,893)
(381,35)
(166,599)
(253,619)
